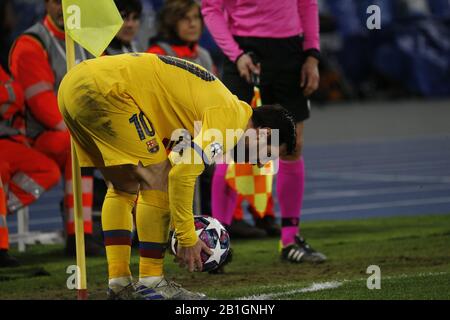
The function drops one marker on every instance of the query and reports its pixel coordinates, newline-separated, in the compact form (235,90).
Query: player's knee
(125,185)
(115,194)
(154,177)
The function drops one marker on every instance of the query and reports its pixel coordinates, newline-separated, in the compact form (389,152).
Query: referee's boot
(301,251)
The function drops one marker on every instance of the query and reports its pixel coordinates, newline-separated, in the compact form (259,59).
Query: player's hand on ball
(190,256)
(210,250)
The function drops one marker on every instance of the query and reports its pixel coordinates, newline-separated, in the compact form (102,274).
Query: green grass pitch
(413,254)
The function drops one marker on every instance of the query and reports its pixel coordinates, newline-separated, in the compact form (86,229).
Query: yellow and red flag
(252,183)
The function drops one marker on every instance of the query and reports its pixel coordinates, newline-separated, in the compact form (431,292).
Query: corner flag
(253,183)
(92,24)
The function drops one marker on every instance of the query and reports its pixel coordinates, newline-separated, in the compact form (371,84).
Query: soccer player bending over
(123,112)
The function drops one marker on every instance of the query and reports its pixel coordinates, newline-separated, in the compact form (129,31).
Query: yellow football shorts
(108,129)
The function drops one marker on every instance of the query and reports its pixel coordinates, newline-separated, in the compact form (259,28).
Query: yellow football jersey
(133,108)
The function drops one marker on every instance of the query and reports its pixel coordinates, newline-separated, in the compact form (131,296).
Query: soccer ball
(214,235)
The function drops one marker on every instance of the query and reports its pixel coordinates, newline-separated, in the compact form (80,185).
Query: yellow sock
(152,224)
(117,224)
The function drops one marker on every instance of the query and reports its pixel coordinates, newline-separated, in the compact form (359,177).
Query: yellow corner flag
(92,24)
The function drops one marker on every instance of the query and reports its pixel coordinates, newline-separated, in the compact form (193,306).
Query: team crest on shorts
(152,146)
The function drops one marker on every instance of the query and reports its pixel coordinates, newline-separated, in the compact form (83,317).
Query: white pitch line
(313,288)
(331,285)
(378,205)
(419,275)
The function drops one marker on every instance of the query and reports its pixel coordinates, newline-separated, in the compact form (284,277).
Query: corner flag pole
(92,24)
(78,206)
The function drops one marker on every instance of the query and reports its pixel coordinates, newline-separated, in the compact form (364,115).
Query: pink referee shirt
(261,18)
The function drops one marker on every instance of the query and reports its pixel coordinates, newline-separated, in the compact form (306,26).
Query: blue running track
(344,181)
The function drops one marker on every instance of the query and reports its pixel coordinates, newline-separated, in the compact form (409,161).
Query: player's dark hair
(129,6)
(277,117)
